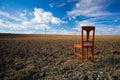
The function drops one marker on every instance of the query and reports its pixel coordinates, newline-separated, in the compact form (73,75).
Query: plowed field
(50,57)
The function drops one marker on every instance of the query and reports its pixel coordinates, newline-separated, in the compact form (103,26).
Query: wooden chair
(87,44)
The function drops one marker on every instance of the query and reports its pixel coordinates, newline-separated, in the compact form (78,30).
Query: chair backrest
(88,29)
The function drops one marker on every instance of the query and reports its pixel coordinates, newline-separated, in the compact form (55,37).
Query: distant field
(36,36)
(51,36)
(50,57)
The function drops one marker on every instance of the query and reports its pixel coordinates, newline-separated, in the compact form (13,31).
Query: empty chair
(87,42)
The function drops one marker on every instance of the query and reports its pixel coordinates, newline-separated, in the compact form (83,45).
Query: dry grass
(44,57)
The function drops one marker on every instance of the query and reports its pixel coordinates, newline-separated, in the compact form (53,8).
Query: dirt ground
(50,57)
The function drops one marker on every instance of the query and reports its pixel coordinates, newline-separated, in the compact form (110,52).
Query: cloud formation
(71,15)
(88,8)
(95,13)
(100,29)
(7,15)
(42,16)
(40,21)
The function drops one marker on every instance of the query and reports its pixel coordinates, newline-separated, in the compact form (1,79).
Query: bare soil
(50,57)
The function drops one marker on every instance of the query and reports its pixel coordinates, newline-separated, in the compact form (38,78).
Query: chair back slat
(88,29)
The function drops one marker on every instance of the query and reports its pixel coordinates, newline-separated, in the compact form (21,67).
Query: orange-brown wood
(87,44)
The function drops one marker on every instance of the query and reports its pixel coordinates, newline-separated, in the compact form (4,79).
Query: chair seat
(85,44)
(89,44)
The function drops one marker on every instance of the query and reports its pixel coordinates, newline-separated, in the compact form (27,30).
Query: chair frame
(81,46)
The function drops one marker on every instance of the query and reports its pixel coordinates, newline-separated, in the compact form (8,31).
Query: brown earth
(50,57)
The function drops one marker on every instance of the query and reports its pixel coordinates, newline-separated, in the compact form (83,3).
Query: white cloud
(89,8)
(100,29)
(5,14)
(108,30)
(56,20)
(86,23)
(62,31)
(42,27)
(42,16)
(57,4)
(40,20)
(2,23)
(51,5)
(18,31)
(23,16)
(11,25)
(77,5)
(61,5)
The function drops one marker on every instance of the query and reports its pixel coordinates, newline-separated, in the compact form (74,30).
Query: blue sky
(59,16)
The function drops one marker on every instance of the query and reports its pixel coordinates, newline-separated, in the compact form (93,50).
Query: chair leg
(80,55)
(87,52)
